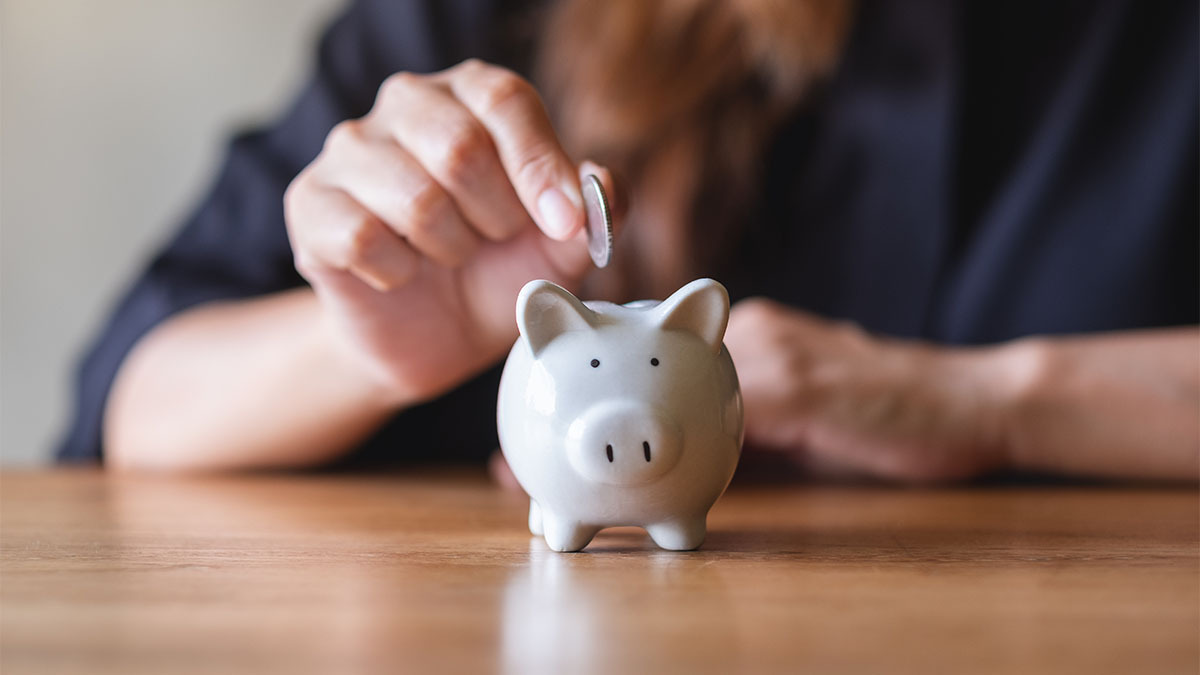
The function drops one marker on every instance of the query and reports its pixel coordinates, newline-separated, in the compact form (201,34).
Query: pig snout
(623,443)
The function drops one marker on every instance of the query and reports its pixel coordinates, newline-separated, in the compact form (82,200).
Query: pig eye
(654,361)
(595,363)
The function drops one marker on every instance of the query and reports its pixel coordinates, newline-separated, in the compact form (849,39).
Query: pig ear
(701,307)
(546,310)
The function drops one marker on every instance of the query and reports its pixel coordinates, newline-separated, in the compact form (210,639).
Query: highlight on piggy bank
(613,415)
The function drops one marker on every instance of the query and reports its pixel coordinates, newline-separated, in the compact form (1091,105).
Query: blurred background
(113,116)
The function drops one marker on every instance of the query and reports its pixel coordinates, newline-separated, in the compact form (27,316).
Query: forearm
(249,384)
(1118,405)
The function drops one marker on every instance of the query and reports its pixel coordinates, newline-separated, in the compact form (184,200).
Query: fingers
(570,259)
(441,163)
(393,186)
(510,109)
(455,149)
(348,238)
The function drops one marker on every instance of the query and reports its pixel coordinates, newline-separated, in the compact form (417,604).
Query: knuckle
(471,65)
(362,238)
(426,205)
(537,167)
(399,80)
(304,263)
(504,88)
(850,330)
(396,87)
(754,314)
(301,195)
(343,134)
(462,154)
(292,195)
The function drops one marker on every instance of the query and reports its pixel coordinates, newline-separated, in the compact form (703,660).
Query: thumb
(571,258)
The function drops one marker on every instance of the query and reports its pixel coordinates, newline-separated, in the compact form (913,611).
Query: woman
(962,183)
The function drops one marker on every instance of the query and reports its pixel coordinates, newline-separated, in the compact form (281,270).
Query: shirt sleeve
(235,243)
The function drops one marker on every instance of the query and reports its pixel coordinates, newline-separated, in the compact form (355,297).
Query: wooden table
(434,572)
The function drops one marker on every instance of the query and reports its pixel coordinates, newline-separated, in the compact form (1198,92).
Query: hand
(418,224)
(848,400)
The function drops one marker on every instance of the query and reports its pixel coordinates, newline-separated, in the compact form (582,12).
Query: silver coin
(599,221)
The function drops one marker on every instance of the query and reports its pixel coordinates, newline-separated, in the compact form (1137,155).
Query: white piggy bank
(616,415)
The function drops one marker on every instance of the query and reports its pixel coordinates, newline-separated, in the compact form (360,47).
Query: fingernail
(559,215)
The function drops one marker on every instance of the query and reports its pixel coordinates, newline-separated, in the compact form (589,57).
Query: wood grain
(434,572)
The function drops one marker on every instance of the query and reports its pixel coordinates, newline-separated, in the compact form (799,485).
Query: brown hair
(681,98)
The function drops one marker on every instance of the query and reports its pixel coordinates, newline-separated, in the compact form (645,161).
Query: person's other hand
(418,224)
(851,401)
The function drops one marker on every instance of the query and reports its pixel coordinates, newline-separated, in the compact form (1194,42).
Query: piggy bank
(615,415)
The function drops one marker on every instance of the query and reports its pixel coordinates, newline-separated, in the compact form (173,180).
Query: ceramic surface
(616,415)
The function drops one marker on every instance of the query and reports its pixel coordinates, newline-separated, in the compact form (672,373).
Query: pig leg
(566,535)
(535,518)
(683,534)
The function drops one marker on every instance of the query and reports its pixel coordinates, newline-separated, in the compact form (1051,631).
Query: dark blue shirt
(973,172)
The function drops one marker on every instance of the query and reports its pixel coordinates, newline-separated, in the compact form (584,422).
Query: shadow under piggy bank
(627,611)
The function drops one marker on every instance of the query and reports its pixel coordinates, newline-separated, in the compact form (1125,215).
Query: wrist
(984,393)
(1019,372)
(357,377)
